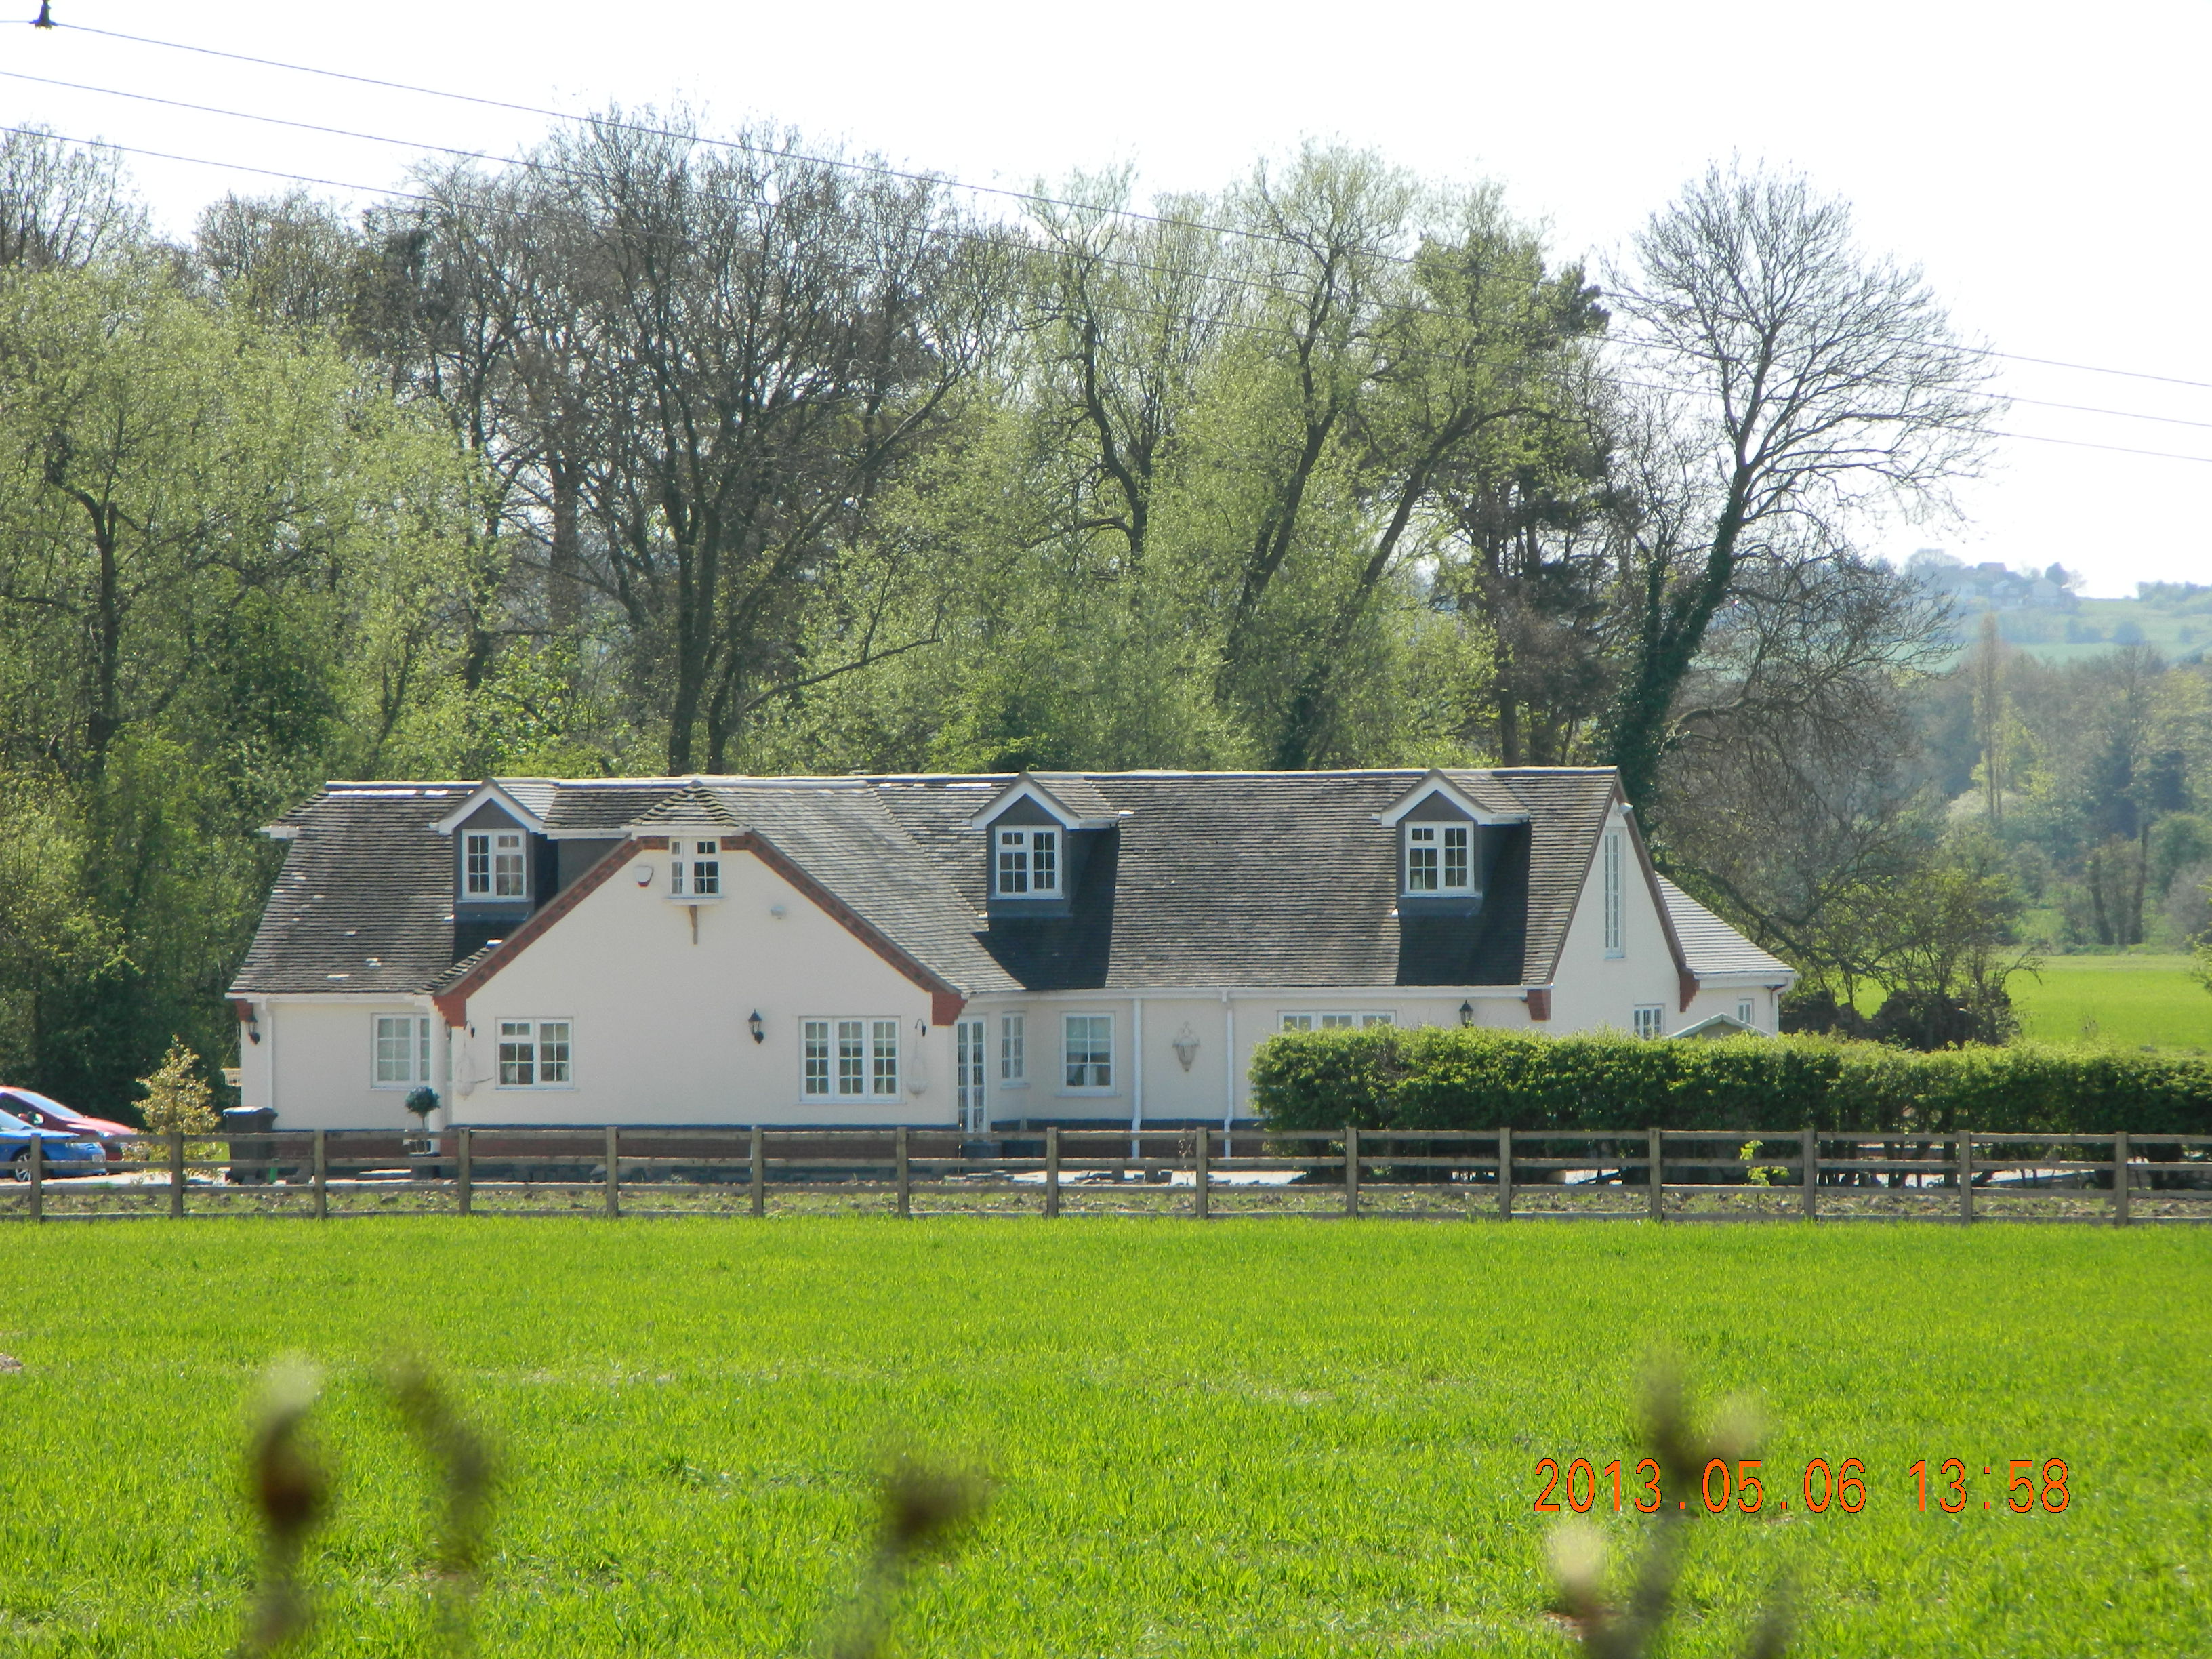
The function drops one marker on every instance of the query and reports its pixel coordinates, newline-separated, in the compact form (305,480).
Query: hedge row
(1432,1077)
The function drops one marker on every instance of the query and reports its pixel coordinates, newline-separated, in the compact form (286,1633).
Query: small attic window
(696,873)
(1439,859)
(1027,863)
(491,864)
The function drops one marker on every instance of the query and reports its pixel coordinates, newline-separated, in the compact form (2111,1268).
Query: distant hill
(2043,613)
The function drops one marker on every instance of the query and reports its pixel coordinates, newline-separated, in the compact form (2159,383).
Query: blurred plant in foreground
(1637,1627)
(923,1512)
(291,1493)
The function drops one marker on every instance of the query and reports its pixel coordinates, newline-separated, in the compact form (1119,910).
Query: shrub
(1452,1078)
(177,1096)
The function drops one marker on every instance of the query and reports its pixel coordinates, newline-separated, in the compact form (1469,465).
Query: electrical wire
(880,169)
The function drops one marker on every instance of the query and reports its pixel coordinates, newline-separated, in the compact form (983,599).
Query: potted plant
(423,1101)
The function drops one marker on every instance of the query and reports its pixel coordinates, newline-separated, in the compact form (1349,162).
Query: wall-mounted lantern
(757,1026)
(1186,1047)
(250,1018)
(1466,1013)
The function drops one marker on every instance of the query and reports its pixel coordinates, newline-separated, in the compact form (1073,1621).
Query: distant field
(1249,1438)
(2116,1000)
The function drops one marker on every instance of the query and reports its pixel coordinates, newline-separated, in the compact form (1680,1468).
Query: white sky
(2046,164)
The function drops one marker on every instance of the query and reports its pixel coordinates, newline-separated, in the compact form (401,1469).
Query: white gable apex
(490,792)
(1437,784)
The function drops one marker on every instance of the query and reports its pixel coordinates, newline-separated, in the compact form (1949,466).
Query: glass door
(968,1075)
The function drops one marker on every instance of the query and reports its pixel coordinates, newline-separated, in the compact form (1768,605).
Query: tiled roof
(1279,880)
(1710,944)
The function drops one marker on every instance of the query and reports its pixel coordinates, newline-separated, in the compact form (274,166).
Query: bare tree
(62,204)
(1799,379)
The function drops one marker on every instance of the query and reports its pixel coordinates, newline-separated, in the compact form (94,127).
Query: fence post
(1966,1175)
(2121,1175)
(37,1178)
(1051,1171)
(1204,1175)
(322,1178)
(464,1170)
(1658,1181)
(614,1176)
(1350,1169)
(1506,1175)
(905,1178)
(759,1175)
(176,1172)
(1811,1173)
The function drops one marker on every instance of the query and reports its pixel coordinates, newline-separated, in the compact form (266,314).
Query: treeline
(662,450)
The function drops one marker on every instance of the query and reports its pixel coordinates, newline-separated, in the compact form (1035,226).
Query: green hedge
(1450,1077)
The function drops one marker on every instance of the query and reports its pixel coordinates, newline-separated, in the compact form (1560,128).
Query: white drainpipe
(1136,1075)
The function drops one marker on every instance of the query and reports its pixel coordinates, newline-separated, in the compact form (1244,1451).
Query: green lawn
(2131,999)
(1248,1438)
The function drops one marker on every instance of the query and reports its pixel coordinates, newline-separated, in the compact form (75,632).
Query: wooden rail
(1500,1173)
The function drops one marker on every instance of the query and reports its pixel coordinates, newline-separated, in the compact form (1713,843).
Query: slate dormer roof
(1199,880)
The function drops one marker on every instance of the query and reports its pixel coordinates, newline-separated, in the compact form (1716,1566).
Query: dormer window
(491,864)
(695,869)
(1439,859)
(1028,863)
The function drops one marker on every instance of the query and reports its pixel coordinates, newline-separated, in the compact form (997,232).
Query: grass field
(1242,1439)
(2121,1001)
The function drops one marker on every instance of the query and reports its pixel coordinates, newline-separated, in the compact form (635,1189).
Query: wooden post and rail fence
(1499,1174)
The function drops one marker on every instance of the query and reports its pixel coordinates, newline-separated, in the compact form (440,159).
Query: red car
(44,1114)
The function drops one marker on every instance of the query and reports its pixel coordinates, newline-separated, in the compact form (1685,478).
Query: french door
(968,1076)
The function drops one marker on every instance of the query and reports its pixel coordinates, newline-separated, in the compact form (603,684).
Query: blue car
(64,1153)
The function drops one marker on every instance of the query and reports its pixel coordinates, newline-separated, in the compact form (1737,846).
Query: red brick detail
(1687,983)
(1539,1002)
(242,1008)
(944,1007)
(454,1004)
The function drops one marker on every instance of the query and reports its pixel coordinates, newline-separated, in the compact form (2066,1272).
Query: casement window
(1743,1010)
(1651,1021)
(848,1059)
(1302,1021)
(1439,859)
(1087,1048)
(1012,1064)
(403,1050)
(491,864)
(695,869)
(1613,946)
(1027,865)
(534,1053)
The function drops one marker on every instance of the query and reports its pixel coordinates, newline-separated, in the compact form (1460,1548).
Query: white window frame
(1100,1074)
(1744,1011)
(1335,1020)
(701,877)
(1649,1019)
(1434,846)
(1615,935)
(416,1054)
(848,1058)
(475,864)
(1013,1060)
(535,1033)
(510,863)
(1016,852)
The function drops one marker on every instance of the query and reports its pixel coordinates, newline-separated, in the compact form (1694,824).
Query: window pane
(477,863)
(1044,861)
(1455,856)
(1297,1022)
(1378,1019)
(1013,861)
(392,1048)
(1011,1059)
(706,874)
(814,1049)
(516,1054)
(422,1069)
(1423,869)
(883,1057)
(1336,1021)
(507,867)
(553,1051)
(852,1056)
(1089,1046)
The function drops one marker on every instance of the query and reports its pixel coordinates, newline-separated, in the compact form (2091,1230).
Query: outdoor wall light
(1466,1013)
(1185,1046)
(250,1016)
(757,1026)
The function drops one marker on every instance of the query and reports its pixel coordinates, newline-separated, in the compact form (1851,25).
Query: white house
(987,952)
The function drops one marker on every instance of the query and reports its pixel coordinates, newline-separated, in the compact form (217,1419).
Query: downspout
(1228,1069)
(1136,1076)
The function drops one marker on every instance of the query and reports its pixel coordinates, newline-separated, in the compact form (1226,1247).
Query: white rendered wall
(1722,1000)
(320,1058)
(1592,990)
(660,1033)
